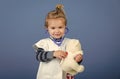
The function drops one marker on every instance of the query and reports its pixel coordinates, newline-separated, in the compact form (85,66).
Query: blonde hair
(55,14)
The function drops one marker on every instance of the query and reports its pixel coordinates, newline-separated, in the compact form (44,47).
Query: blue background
(95,22)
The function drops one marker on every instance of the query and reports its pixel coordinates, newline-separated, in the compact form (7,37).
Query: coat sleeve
(42,54)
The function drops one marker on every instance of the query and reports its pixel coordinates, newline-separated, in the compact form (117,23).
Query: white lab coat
(52,69)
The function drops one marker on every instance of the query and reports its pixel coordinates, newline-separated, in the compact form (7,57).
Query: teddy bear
(69,65)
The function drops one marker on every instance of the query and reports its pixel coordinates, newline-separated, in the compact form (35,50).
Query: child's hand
(78,58)
(60,54)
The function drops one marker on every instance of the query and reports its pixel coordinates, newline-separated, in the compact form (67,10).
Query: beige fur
(69,65)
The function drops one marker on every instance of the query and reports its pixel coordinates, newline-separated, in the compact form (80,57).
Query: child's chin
(57,37)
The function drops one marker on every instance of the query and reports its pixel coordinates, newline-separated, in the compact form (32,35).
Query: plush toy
(69,65)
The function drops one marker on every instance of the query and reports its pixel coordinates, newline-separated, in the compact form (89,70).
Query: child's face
(56,27)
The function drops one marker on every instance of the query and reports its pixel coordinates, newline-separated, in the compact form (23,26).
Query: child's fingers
(78,58)
(60,54)
(66,53)
(63,55)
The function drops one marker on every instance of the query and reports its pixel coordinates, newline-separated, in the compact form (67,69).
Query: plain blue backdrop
(96,23)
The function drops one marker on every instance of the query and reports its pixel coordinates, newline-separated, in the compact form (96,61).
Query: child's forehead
(56,19)
(56,23)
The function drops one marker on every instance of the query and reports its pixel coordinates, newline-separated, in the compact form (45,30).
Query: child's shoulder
(43,40)
(71,39)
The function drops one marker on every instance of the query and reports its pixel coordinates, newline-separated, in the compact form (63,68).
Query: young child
(51,50)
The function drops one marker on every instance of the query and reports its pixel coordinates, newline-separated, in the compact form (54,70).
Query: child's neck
(57,41)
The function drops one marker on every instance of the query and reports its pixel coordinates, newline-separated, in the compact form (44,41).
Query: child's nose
(57,30)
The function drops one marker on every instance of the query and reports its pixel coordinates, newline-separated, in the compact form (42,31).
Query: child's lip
(57,34)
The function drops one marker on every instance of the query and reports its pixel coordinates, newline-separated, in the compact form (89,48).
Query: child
(51,50)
